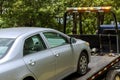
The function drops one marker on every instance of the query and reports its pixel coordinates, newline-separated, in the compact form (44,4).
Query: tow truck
(105,46)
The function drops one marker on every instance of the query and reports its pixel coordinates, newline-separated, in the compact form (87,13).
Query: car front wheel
(82,64)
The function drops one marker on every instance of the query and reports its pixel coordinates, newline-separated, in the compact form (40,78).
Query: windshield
(5,44)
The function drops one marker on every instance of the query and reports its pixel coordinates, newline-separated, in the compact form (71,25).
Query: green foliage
(48,13)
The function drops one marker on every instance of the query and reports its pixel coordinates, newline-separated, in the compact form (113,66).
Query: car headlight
(87,43)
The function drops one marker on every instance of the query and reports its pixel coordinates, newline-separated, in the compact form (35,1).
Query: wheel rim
(117,77)
(83,64)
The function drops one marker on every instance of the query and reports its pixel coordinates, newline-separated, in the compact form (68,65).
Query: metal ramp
(98,65)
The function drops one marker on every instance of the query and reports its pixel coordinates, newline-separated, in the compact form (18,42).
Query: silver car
(29,53)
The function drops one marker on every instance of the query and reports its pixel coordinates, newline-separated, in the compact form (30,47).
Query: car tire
(82,67)
(29,78)
(113,75)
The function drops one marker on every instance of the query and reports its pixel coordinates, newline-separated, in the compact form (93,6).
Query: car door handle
(56,54)
(31,62)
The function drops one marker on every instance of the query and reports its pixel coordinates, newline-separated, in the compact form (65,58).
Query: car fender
(78,47)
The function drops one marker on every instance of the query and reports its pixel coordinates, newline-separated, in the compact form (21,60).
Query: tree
(44,13)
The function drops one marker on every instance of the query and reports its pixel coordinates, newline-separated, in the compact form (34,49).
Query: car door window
(55,39)
(5,45)
(33,44)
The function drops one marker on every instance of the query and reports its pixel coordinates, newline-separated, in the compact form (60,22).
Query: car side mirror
(72,40)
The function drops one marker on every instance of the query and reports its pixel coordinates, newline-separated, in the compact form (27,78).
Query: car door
(38,58)
(62,50)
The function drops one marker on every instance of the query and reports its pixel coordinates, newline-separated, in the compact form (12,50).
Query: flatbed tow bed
(102,42)
(99,65)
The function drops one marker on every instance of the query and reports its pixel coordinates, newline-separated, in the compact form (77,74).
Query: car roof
(15,32)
